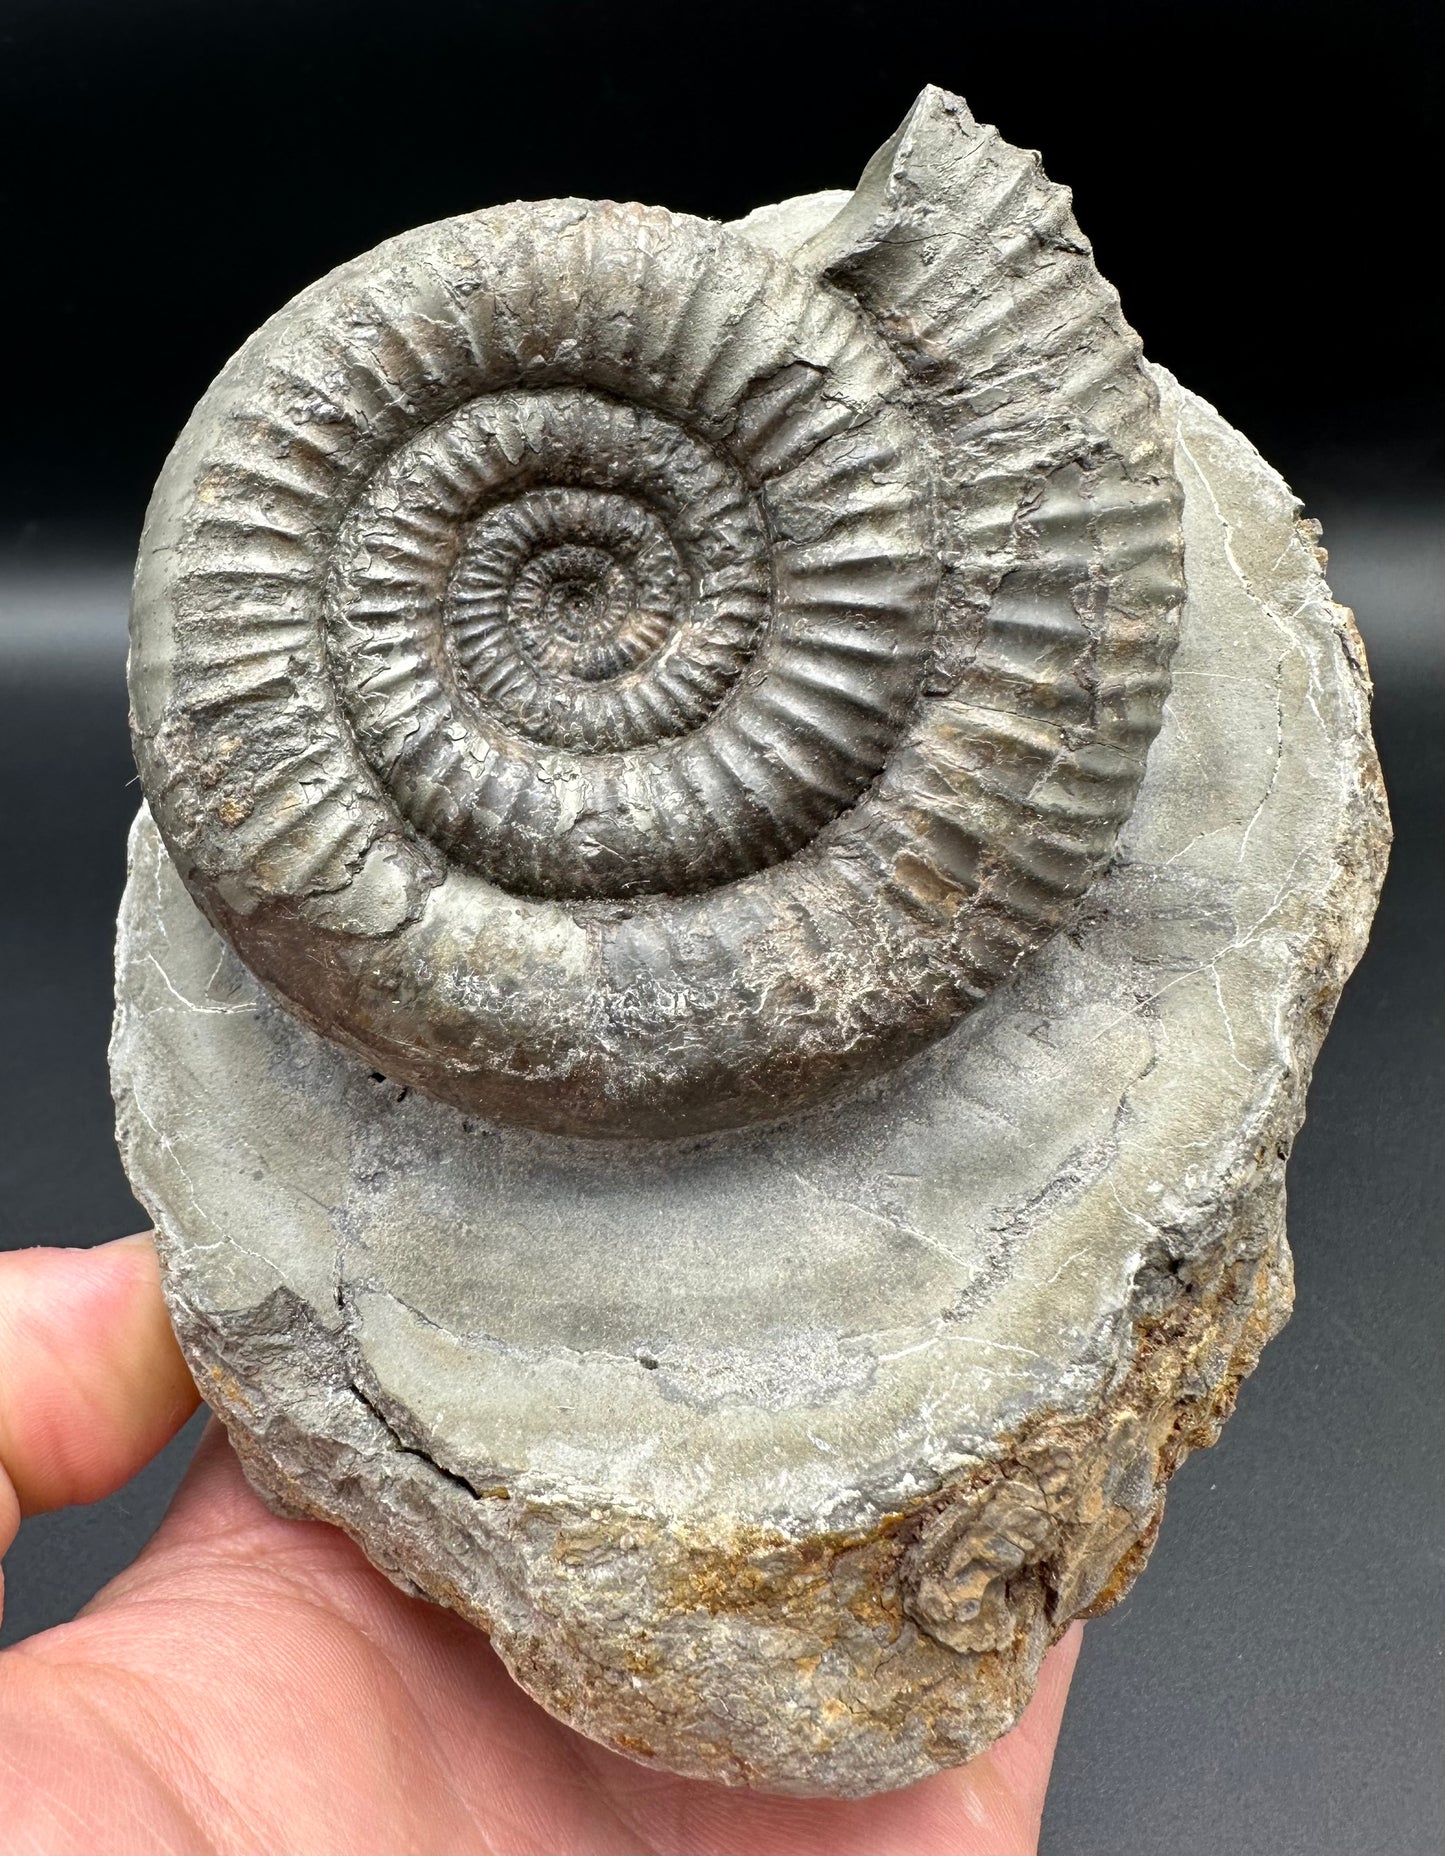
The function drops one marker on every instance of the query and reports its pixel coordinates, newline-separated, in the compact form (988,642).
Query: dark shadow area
(1248,171)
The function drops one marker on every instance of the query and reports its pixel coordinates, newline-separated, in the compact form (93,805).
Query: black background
(1254,174)
(1258,180)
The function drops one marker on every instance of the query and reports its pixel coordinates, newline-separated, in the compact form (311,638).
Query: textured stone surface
(780,1457)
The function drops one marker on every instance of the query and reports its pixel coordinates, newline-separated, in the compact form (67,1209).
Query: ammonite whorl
(633,676)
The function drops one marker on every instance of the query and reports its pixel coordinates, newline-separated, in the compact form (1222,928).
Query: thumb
(92,1383)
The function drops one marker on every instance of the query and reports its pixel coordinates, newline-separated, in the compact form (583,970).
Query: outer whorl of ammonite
(628,679)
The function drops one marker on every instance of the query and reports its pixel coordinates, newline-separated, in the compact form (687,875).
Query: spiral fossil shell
(634,676)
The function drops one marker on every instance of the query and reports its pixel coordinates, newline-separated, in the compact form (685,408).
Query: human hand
(253,1684)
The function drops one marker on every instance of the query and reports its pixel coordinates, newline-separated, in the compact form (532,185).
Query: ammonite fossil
(629,675)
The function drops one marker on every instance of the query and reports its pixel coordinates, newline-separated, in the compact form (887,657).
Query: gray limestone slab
(780,1456)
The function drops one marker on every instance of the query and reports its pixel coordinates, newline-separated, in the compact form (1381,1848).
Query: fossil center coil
(590,654)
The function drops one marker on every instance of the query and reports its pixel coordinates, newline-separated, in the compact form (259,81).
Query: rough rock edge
(941,1612)
(1025,1547)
